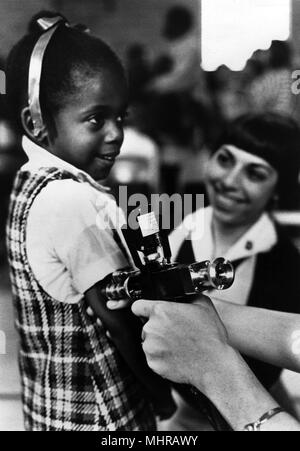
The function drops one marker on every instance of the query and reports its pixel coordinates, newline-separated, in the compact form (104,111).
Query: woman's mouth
(227,201)
(224,202)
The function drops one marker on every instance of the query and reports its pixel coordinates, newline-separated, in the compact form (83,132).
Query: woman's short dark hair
(273,134)
(69,51)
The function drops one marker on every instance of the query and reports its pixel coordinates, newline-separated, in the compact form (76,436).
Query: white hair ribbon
(50,25)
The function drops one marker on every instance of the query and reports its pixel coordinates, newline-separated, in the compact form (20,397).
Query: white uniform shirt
(70,244)
(261,237)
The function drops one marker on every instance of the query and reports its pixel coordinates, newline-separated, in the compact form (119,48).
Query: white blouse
(70,245)
(261,237)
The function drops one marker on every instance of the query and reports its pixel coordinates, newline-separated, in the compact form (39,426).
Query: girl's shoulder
(32,181)
(70,195)
(60,185)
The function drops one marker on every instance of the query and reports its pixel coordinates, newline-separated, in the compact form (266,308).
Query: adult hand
(182,342)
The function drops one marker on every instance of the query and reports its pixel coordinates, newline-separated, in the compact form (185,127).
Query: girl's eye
(97,121)
(122,118)
(256,175)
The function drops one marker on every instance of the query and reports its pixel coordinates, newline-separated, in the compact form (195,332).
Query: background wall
(120,22)
(296,26)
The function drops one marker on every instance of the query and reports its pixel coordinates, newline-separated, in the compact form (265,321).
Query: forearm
(125,330)
(272,337)
(239,397)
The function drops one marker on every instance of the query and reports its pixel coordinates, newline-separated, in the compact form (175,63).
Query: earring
(275,202)
(41,135)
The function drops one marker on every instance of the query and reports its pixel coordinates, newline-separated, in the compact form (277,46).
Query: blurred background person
(228,93)
(180,99)
(271,91)
(182,62)
(139,71)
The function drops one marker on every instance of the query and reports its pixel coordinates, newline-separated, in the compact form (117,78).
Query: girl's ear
(29,128)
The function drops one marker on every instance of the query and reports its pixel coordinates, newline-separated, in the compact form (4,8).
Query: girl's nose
(113,132)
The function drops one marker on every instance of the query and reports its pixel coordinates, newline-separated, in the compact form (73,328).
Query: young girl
(68,93)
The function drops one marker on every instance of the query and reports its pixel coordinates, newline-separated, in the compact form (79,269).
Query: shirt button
(249,245)
(89,311)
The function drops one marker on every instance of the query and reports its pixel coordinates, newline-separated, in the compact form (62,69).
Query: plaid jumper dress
(73,378)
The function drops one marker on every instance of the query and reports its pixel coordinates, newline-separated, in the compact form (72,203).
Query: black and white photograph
(150,218)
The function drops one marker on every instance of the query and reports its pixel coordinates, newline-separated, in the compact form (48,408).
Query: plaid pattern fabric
(72,377)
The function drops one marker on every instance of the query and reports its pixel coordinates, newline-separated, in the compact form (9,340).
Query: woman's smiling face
(89,128)
(240,185)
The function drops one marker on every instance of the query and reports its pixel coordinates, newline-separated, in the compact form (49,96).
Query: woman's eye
(256,176)
(224,160)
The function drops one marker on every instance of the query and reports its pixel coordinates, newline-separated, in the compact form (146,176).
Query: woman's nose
(114,132)
(232,179)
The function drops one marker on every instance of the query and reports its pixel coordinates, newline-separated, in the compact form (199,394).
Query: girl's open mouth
(108,158)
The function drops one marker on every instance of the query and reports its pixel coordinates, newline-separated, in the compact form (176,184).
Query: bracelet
(255,427)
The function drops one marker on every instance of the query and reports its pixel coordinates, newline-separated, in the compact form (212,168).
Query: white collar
(38,157)
(261,237)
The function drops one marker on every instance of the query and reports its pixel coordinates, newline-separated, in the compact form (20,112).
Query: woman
(256,166)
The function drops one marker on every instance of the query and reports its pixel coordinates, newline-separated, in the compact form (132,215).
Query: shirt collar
(38,157)
(261,237)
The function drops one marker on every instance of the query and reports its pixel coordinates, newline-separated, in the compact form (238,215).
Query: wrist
(235,391)
(209,382)
(213,381)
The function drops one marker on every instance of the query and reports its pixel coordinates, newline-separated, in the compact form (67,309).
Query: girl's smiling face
(88,130)
(240,185)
